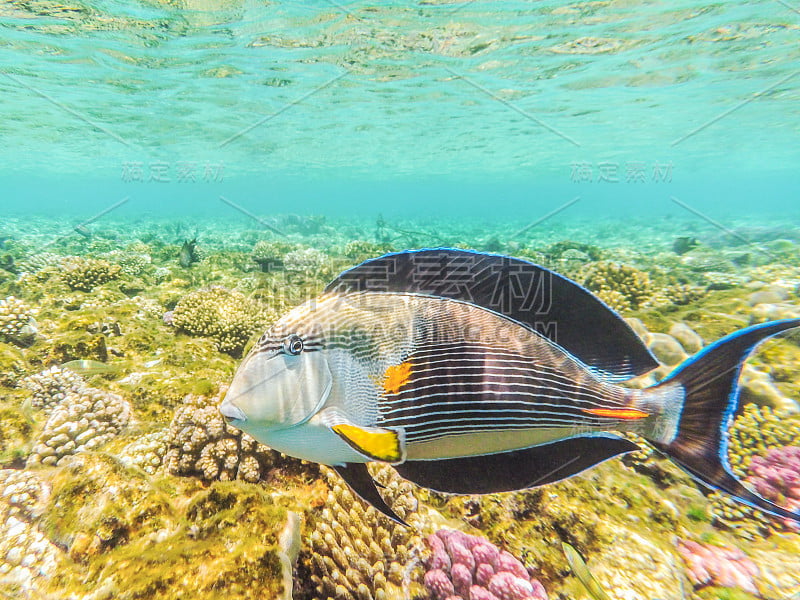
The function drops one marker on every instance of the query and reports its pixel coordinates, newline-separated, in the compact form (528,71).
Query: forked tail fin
(711,395)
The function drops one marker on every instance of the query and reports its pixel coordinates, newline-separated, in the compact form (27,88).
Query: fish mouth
(232,414)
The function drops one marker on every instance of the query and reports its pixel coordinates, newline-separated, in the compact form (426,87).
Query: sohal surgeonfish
(474,373)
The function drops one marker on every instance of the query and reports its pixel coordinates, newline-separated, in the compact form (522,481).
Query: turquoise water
(323,106)
(178,174)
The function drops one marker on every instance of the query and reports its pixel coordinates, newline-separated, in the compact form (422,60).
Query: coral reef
(357,552)
(620,286)
(147,452)
(714,565)
(85,274)
(269,255)
(464,567)
(201,444)
(51,386)
(758,429)
(84,420)
(26,555)
(307,262)
(776,476)
(226,316)
(17,324)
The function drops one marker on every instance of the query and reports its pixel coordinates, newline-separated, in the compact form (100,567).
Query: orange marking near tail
(396,377)
(626,414)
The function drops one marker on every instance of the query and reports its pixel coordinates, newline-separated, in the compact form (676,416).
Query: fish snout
(232,413)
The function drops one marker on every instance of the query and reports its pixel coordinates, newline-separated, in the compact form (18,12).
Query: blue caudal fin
(711,396)
(535,297)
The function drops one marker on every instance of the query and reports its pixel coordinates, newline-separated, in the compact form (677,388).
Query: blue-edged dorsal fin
(517,469)
(537,298)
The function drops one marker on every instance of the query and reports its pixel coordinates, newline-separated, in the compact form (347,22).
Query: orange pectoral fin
(626,414)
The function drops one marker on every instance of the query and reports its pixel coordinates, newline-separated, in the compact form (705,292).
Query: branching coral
(84,274)
(202,445)
(358,553)
(84,420)
(307,262)
(226,316)
(620,286)
(758,429)
(269,255)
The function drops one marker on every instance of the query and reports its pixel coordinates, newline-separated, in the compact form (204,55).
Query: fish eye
(293,344)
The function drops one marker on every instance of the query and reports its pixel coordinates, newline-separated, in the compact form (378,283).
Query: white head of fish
(276,397)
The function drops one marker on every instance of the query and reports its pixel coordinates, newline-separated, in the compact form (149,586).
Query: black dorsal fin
(515,470)
(537,298)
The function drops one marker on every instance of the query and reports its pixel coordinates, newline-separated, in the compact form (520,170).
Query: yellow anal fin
(378,444)
(626,414)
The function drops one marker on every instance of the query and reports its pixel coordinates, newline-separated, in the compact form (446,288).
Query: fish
(582,573)
(188,254)
(89,367)
(477,373)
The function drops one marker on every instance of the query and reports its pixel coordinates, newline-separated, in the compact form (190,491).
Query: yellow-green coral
(756,430)
(84,274)
(226,316)
(269,255)
(620,286)
(358,554)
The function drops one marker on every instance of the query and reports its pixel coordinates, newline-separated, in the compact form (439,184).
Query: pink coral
(776,476)
(476,569)
(715,565)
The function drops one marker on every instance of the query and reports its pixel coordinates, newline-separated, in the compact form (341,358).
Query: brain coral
(84,420)
(84,274)
(202,445)
(51,386)
(226,316)
(358,554)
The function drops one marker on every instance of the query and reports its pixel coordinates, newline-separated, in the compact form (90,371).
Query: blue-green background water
(497,110)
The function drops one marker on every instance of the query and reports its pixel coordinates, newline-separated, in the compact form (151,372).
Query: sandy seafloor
(124,482)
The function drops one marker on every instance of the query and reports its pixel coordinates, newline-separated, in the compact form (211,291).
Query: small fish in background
(582,573)
(89,367)
(189,253)
(684,244)
(475,373)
